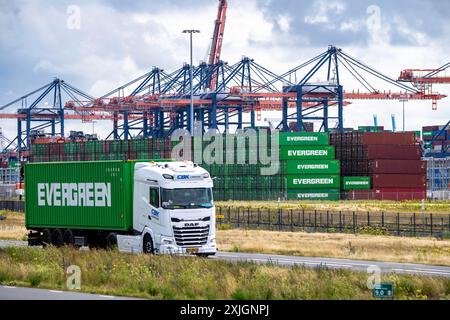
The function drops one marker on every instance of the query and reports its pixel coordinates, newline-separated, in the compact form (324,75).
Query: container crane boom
(216,45)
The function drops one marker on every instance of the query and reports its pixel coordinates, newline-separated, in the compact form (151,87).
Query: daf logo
(191,224)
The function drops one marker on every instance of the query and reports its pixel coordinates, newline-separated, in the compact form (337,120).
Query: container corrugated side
(312,167)
(356,183)
(64,206)
(327,195)
(304,139)
(307,153)
(399,181)
(314,182)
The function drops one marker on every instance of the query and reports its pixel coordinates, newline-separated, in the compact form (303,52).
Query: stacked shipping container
(392,160)
(309,165)
(442,138)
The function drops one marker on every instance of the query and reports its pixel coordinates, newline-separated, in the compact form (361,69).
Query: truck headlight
(167,241)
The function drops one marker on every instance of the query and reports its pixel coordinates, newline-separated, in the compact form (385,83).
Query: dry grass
(436,207)
(362,247)
(13,227)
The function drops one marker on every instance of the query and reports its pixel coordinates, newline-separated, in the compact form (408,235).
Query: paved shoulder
(356,265)
(15,293)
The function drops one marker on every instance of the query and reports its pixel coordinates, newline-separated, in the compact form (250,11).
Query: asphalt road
(354,265)
(15,293)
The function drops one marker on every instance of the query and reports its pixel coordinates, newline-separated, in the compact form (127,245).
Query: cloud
(322,10)
(119,41)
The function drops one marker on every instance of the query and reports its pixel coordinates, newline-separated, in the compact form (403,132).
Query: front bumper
(208,249)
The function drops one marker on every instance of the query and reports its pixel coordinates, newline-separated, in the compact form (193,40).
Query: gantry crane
(423,79)
(217,39)
(156,104)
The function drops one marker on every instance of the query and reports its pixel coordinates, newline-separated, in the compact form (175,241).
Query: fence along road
(396,224)
(331,263)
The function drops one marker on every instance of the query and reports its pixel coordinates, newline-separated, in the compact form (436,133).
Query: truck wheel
(57,238)
(147,245)
(46,237)
(111,241)
(68,238)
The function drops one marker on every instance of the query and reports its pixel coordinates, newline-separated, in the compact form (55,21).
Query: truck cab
(173,210)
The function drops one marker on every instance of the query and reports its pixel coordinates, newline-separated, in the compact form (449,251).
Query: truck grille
(191,236)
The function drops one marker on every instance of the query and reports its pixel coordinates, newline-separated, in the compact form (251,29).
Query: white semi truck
(150,207)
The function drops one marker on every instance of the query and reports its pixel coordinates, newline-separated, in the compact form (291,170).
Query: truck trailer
(140,206)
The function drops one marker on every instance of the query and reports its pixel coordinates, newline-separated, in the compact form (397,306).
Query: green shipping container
(312,167)
(327,195)
(304,139)
(307,153)
(314,182)
(356,183)
(60,195)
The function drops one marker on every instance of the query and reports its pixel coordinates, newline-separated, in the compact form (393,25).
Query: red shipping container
(399,181)
(360,195)
(389,138)
(430,128)
(403,194)
(398,166)
(393,152)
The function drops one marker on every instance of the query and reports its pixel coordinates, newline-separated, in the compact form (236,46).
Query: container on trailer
(307,153)
(356,183)
(312,167)
(399,181)
(314,182)
(388,138)
(304,139)
(398,166)
(97,197)
(326,195)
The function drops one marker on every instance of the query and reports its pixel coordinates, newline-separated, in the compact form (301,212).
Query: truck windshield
(186,198)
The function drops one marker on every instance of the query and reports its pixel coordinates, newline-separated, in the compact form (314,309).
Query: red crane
(216,45)
(423,79)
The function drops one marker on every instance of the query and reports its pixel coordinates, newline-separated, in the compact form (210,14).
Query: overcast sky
(115,41)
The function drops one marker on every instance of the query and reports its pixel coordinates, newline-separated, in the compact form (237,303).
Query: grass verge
(336,245)
(166,277)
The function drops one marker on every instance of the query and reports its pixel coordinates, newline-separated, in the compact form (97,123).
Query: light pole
(191,109)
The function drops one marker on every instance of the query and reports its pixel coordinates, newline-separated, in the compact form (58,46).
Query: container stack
(391,160)
(442,137)
(241,179)
(102,150)
(309,166)
(438,178)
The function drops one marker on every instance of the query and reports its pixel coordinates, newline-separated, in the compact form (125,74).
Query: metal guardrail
(383,223)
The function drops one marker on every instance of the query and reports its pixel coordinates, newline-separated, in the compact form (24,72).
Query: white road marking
(9,287)
(421,271)
(55,291)
(103,296)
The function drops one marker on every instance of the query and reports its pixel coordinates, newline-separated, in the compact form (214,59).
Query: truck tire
(68,237)
(111,241)
(46,237)
(57,238)
(147,244)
